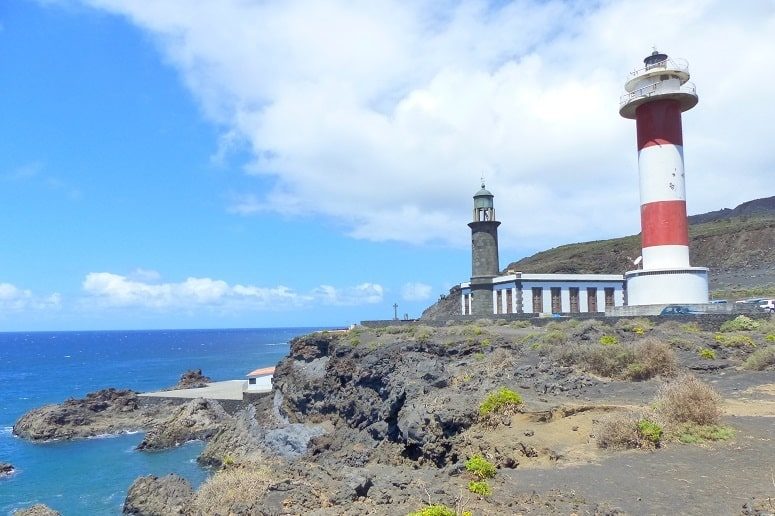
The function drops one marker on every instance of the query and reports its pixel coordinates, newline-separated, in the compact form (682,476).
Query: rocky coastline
(6,469)
(386,421)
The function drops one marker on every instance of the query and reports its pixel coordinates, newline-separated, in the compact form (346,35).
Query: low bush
(739,323)
(656,358)
(238,488)
(555,337)
(480,467)
(502,401)
(690,327)
(760,359)
(650,431)
(471,330)
(688,400)
(521,324)
(638,326)
(690,433)
(434,510)
(480,487)
(734,340)
(618,431)
(423,334)
(770,337)
(607,361)
(608,340)
(707,354)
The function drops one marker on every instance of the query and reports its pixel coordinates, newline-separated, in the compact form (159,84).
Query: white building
(519,293)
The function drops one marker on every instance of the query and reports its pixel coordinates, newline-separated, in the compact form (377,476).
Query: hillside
(738,245)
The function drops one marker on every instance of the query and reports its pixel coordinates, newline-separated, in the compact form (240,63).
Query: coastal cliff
(487,418)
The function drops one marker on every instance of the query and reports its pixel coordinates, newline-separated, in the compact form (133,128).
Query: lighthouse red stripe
(664,223)
(658,123)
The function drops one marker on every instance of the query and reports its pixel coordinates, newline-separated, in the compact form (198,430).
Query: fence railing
(657,88)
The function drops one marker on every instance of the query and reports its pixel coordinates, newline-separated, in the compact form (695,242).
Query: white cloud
(15,299)
(382,115)
(416,291)
(113,290)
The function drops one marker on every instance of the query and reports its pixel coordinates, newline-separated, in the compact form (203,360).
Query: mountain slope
(738,245)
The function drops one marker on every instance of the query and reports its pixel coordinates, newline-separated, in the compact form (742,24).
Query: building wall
(522,292)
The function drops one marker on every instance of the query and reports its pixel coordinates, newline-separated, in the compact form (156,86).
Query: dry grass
(646,359)
(688,400)
(229,491)
(653,357)
(619,431)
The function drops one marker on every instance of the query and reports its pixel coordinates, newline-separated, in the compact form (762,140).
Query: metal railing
(682,65)
(657,88)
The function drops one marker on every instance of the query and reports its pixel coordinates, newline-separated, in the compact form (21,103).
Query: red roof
(264,371)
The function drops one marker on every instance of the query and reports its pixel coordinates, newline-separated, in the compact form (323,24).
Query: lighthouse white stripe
(665,256)
(661,170)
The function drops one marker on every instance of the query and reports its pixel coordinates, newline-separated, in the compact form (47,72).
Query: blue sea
(92,476)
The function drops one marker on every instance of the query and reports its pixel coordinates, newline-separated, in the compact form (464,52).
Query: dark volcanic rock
(390,392)
(192,379)
(108,411)
(158,496)
(198,419)
(6,469)
(38,509)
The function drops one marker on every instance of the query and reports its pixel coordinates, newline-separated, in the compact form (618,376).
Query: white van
(768,305)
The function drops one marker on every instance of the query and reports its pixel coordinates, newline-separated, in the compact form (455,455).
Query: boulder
(38,509)
(6,469)
(158,496)
(192,379)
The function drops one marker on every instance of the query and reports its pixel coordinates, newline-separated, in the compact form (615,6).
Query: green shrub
(739,323)
(434,510)
(707,353)
(423,334)
(637,371)
(479,356)
(760,359)
(691,433)
(521,324)
(770,337)
(471,330)
(485,342)
(480,487)
(554,337)
(607,361)
(650,430)
(354,340)
(608,340)
(638,326)
(500,402)
(690,327)
(734,341)
(395,330)
(480,467)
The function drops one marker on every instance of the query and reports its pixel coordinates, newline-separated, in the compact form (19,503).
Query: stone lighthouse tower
(484,253)
(655,97)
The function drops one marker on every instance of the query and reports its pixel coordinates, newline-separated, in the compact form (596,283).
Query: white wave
(6,430)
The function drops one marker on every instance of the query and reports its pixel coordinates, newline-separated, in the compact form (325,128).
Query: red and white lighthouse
(656,96)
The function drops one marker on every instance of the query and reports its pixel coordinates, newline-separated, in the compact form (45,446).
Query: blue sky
(311,163)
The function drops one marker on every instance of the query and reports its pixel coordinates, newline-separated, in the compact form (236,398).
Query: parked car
(768,305)
(678,310)
(718,301)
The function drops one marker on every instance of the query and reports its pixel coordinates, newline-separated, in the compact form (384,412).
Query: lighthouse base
(686,285)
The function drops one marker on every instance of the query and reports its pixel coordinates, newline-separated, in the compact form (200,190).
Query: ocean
(92,476)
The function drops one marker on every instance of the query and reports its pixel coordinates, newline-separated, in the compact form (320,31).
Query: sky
(238,163)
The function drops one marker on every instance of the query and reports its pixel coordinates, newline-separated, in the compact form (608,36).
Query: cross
(395,311)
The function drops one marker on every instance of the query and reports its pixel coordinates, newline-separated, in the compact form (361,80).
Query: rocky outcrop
(198,419)
(235,441)
(6,469)
(394,392)
(109,411)
(38,509)
(192,379)
(158,496)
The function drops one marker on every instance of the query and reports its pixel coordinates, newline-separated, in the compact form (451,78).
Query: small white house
(518,293)
(260,380)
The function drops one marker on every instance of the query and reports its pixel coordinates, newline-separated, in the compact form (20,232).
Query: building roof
(264,371)
(483,192)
